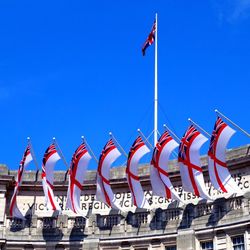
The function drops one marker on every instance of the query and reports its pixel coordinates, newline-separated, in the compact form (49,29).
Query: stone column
(186,239)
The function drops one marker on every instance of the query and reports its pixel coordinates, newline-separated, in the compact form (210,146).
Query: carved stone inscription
(89,204)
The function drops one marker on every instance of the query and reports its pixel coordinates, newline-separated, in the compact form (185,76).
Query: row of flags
(189,165)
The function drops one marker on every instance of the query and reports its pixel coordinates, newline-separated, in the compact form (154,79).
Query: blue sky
(72,68)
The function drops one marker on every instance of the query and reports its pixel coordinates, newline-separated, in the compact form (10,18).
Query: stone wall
(165,226)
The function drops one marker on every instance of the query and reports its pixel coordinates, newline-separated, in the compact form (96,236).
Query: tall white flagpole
(156,85)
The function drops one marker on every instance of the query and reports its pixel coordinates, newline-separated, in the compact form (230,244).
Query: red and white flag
(104,192)
(49,160)
(189,161)
(77,173)
(220,177)
(27,158)
(137,151)
(161,184)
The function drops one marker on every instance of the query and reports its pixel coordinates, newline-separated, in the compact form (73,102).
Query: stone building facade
(223,223)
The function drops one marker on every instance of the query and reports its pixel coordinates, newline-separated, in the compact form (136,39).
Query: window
(170,248)
(208,245)
(238,243)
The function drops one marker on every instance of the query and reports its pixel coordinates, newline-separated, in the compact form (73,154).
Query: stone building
(221,224)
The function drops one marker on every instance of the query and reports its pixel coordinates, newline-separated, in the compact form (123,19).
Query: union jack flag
(218,127)
(150,39)
(165,137)
(22,163)
(80,151)
(49,151)
(137,144)
(107,148)
(186,141)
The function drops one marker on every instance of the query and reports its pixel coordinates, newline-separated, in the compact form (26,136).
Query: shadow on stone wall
(51,231)
(77,233)
(19,224)
(159,220)
(218,212)
(187,217)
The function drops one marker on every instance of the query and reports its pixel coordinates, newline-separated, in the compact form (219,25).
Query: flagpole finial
(138,130)
(54,138)
(110,133)
(28,138)
(189,119)
(82,137)
(216,110)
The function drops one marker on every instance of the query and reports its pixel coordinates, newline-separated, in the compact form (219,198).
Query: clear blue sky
(72,68)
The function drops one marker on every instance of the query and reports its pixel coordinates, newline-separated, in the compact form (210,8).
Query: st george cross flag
(150,39)
(137,151)
(27,158)
(77,173)
(189,161)
(161,184)
(49,160)
(104,192)
(220,177)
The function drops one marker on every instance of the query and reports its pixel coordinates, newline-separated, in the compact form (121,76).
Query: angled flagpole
(199,127)
(36,176)
(118,144)
(145,138)
(89,149)
(233,123)
(60,153)
(156,84)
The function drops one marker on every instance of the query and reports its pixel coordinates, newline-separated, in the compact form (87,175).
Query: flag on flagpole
(150,39)
(161,184)
(219,174)
(49,160)
(137,151)
(27,158)
(189,161)
(77,172)
(104,192)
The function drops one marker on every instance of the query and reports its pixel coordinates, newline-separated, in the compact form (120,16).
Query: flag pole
(36,176)
(199,127)
(172,133)
(60,153)
(156,84)
(145,138)
(89,148)
(118,144)
(234,124)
